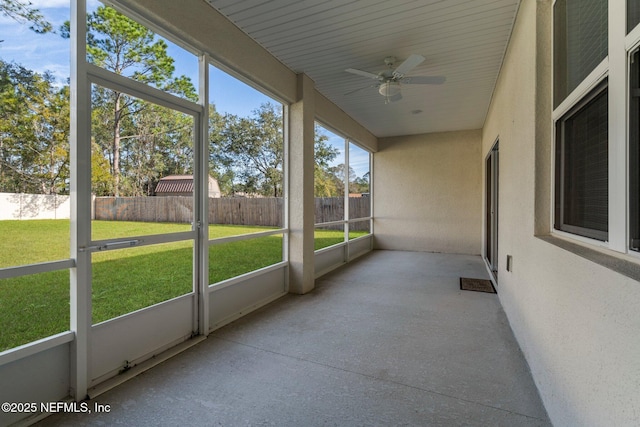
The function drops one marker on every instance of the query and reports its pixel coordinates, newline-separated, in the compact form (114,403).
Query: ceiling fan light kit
(389,80)
(389,89)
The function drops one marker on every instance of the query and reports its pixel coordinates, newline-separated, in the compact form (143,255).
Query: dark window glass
(634,151)
(582,170)
(580,42)
(633,14)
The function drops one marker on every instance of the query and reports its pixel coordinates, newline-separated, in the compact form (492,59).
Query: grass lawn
(124,280)
(324,238)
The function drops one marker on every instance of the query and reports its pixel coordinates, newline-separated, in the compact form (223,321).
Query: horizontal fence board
(147,209)
(263,211)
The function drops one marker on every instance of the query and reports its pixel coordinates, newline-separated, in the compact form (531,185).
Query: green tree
(360,184)
(101,179)
(325,182)
(126,48)
(220,164)
(253,147)
(247,153)
(23,12)
(34,132)
(356,184)
(162,145)
(338,176)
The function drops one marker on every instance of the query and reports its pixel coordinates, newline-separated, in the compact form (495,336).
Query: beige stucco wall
(427,192)
(577,322)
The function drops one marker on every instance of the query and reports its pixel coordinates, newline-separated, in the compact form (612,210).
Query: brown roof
(175,184)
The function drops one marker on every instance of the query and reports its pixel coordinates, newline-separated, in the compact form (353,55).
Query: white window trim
(615,67)
(618,128)
(632,39)
(630,51)
(594,78)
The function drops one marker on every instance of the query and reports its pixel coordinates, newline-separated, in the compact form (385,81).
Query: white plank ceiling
(463,40)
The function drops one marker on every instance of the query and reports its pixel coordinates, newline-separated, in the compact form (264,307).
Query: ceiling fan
(389,80)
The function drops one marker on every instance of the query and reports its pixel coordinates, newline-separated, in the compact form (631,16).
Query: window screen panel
(580,42)
(633,14)
(584,169)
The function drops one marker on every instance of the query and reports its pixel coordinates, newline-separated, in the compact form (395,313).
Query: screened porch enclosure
(322,286)
(125,279)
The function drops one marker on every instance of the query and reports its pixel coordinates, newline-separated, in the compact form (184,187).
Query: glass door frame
(491,209)
(112,81)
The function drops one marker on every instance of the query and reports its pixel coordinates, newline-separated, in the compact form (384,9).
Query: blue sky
(50,52)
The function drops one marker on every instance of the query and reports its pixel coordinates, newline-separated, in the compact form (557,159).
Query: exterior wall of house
(427,193)
(577,322)
(214,188)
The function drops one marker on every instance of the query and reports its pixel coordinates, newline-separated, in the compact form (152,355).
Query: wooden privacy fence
(146,209)
(265,211)
(330,209)
(246,211)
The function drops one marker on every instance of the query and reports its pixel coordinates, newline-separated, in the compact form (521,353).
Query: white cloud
(359,163)
(50,4)
(37,52)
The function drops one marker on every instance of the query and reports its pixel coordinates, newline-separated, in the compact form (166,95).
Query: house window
(633,14)
(581,101)
(634,151)
(580,42)
(582,167)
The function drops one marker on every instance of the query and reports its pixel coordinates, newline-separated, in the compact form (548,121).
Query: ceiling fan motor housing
(389,80)
(390,61)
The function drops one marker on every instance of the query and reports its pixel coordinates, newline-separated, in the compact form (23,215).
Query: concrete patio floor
(388,340)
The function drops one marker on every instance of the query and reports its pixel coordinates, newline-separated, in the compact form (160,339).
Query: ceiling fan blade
(424,80)
(409,64)
(363,73)
(359,89)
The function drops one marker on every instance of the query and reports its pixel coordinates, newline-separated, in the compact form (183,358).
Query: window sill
(620,263)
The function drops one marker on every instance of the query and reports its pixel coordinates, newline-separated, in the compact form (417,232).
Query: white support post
(301,203)
(618,240)
(346,199)
(371,210)
(80,164)
(201,247)
(285,189)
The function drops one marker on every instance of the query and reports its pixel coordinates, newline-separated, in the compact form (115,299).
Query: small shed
(182,185)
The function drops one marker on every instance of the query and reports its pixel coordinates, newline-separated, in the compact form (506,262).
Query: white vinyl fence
(243,211)
(34,206)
